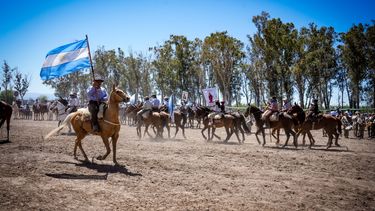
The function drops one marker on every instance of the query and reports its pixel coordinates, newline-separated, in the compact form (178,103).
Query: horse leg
(183,132)
(264,136)
(114,144)
(8,125)
(108,150)
(256,135)
(79,144)
(229,134)
(337,139)
(287,138)
(177,126)
(330,137)
(238,137)
(311,138)
(202,131)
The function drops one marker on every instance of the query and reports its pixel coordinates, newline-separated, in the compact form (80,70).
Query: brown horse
(285,121)
(131,113)
(180,119)
(157,119)
(109,125)
(232,123)
(5,115)
(330,124)
(39,111)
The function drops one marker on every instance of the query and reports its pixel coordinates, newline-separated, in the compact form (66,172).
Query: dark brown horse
(330,124)
(180,119)
(285,121)
(5,115)
(299,117)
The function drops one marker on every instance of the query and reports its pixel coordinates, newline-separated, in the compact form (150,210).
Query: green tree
(6,82)
(355,59)
(21,83)
(224,55)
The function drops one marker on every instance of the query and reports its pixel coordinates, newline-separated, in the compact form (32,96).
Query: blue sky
(29,29)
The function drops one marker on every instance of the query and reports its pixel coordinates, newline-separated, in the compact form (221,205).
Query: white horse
(16,110)
(61,112)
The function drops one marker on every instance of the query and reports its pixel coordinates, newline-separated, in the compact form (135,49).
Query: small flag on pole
(170,108)
(66,59)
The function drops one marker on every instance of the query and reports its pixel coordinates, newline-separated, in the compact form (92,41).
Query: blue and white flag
(171,107)
(65,59)
(132,100)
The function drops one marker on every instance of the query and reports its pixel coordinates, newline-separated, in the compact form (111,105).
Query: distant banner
(210,95)
(185,96)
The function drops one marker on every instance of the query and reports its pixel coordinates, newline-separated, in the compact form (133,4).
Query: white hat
(98,77)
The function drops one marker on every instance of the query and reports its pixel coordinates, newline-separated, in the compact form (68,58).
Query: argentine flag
(65,59)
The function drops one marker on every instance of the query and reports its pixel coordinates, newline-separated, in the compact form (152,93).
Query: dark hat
(154,96)
(146,97)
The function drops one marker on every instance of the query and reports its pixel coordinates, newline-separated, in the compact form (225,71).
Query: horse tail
(339,127)
(244,125)
(62,125)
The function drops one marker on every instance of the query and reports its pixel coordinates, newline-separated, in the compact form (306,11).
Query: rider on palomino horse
(97,98)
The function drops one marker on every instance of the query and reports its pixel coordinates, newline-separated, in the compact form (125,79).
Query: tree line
(278,60)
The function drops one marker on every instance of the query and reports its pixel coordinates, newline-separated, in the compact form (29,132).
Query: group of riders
(98,96)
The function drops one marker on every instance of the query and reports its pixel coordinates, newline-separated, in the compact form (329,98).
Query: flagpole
(88,47)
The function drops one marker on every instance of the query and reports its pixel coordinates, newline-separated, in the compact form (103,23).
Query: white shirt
(73,102)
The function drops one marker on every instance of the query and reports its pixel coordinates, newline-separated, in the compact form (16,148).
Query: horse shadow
(5,141)
(100,168)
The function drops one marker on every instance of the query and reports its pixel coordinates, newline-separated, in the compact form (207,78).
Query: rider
(271,108)
(73,103)
(313,110)
(216,111)
(97,96)
(286,105)
(165,104)
(222,107)
(147,106)
(155,102)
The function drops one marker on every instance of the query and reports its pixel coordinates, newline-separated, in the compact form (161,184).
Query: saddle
(274,117)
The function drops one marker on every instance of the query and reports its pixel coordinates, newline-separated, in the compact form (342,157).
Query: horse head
(117,95)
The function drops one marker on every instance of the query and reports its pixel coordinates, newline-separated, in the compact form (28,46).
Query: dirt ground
(182,174)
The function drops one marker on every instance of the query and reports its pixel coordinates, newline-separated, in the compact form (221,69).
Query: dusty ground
(180,174)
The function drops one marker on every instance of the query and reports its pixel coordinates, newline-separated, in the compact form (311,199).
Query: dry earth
(182,174)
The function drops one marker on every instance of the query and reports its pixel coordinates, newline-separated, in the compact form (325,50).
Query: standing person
(97,97)
(346,123)
(73,103)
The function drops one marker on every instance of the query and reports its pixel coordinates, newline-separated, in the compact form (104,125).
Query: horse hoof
(99,157)
(338,145)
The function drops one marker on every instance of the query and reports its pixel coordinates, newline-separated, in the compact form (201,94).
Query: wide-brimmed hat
(98,77)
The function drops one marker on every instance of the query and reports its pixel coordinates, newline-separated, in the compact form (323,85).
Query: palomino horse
(330,124)
(109,125)
(285,121)
(5,114)
(157,119)
(16,110)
